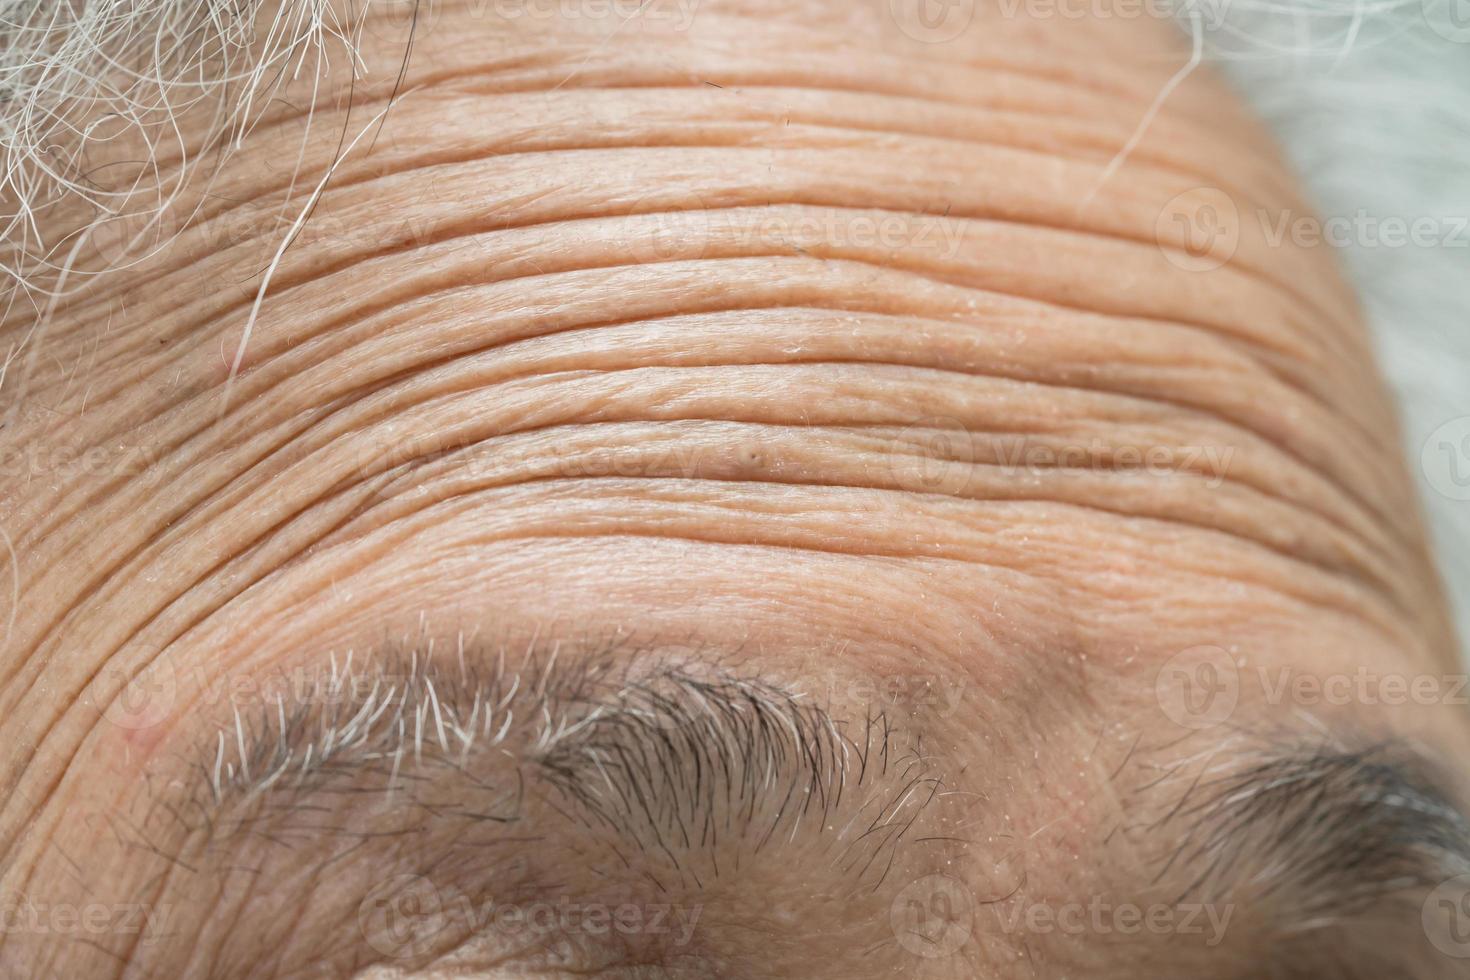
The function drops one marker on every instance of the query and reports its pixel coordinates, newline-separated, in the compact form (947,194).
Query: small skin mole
(750,456)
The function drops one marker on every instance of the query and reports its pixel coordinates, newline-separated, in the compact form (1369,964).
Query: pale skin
(782,336)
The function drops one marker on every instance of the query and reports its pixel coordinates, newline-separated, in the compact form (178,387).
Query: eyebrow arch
(520,775)
(672,753)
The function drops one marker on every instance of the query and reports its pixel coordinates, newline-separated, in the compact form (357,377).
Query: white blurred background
(1372,103)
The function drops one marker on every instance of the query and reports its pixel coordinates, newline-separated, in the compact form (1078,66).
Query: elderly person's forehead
(701,490)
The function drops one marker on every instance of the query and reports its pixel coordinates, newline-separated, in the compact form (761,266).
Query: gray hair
(76,75)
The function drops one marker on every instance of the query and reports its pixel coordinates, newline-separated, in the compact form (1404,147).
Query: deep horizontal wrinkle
(1087,101)
(856,70)
(584,337)
(1257,342)
(724,212)
(1273,368)
(347,175)
(681,115)
(995,321)
(200,509)
(701,103)
(1334,459)
(183,513)
(993,318)
(764,135)
(1226,323)
(988,341)
(824,529)
(355,175)
(716,177)
(989,482)
(377,495)
(509,369)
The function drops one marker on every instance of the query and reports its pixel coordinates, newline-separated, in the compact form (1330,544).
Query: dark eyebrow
(1336,851)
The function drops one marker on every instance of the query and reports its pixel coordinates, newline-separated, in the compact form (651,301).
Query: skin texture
(782,337)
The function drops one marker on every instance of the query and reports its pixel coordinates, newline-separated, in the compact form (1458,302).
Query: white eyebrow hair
(653,746)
